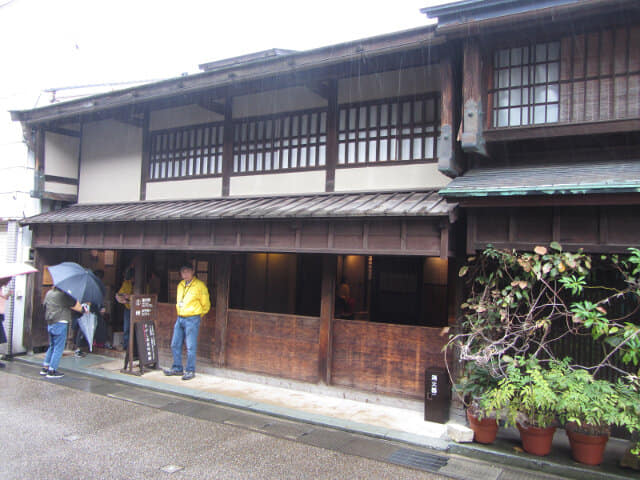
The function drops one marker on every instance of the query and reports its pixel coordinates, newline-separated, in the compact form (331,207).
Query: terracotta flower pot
(587,449)
(485,430)
(535,440)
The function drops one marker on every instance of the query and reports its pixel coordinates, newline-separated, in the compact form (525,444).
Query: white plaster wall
(185,189)
(55,187)
(61,155)
(395,83)
(180,116)
(278,183)
(274,101)
(111,163)
(393,177)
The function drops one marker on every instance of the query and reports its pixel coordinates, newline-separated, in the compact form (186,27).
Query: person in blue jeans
(57,312)
(192,303)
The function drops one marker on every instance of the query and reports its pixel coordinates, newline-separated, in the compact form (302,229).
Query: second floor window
(526,85)
(388,130)
(186,152)
(283,142)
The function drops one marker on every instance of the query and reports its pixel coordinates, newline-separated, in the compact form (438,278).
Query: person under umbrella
(72,284)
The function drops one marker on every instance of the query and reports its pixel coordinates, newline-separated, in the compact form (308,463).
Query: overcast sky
(57,43)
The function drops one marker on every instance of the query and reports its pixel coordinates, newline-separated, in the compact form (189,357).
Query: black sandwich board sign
(142,334)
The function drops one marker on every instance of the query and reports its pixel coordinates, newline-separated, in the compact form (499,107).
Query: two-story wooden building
(290,178)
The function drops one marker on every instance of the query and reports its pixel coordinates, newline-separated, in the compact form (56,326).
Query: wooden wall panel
(252,234)
(384,358)
(272,344)
(200,234)
(594,229)
(76,234)
(133,234)
(153,234)
(95,233)
(165,320)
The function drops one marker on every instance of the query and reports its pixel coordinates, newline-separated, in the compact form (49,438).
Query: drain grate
(416,459)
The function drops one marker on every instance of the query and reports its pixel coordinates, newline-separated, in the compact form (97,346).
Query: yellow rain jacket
(192,299)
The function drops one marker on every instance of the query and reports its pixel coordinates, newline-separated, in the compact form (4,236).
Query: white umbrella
(88,323)
(11,269)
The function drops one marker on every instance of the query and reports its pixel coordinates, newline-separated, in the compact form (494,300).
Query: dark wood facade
(410,236)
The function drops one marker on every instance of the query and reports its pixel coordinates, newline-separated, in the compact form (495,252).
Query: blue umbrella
(78,282)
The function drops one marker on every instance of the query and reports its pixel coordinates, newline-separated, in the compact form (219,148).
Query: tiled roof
(621,176)
(333,205)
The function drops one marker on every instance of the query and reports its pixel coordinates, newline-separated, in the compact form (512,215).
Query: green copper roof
(618,176)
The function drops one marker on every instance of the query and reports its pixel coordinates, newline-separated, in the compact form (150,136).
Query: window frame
(172,151)
(282,139)
(504,81)
(359,134)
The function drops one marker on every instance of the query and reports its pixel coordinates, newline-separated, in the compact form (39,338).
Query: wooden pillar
(448,161)
(327,304)
(39,161)
(473,96)
(222,283)
(146,155)
(227,146)
(332,136)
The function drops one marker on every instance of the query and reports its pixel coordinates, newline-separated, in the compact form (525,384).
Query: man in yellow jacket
(192,303)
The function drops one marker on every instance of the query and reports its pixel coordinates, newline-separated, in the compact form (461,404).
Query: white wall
(395,83)
(278,183)
(185,189)
(392,177)
(111,163)
(181,116)
(61,155)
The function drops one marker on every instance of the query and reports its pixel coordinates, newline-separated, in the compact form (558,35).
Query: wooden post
(227,146)
(332,136)
(146,155)
(448,163)
(327,305)
(222,282)
(473,94)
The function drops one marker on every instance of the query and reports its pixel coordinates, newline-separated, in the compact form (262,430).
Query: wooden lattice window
(291,141)
(526,85)
(186,152)
(388,130)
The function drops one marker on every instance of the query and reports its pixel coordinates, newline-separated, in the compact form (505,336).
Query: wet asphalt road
(94,430)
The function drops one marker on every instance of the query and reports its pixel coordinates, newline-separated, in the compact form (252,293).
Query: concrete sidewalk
(391,423)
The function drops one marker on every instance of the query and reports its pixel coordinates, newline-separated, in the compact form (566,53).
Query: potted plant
(590,407)
(473,386)
(528,395)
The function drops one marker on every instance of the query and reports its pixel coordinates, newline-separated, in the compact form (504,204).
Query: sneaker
(79,354)
(44,371)
(170,372)
(54,374)
(188,375)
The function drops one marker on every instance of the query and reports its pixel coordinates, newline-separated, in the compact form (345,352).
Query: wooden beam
(327,305)
(146,155)
(212,105)
(129,118)
(332,136)
(222,283)
(227,146)
(447,161)
(63,131)
(473,95)
(320,88)
(566,130)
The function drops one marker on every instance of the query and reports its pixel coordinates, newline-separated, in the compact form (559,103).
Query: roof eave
(233,75)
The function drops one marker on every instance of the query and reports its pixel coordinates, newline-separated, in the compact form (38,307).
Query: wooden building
(285,175)
(285,178)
